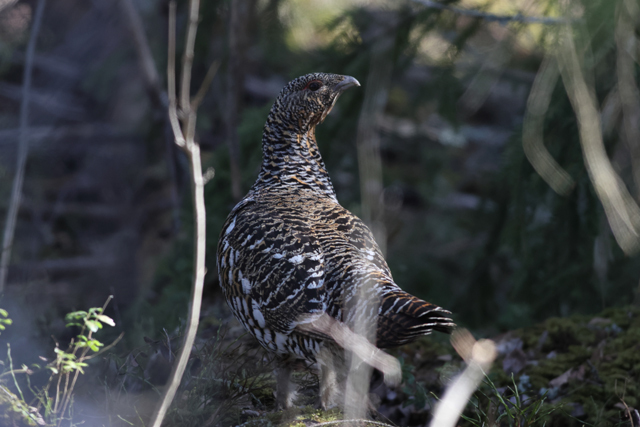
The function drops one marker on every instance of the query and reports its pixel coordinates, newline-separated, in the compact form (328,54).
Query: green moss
(603,354)
(294,417)
(15,412)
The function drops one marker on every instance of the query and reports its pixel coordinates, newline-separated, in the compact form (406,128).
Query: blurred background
(434,151)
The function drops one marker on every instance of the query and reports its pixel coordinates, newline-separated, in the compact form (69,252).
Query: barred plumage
(289,253)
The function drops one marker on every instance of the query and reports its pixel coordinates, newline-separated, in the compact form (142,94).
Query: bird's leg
(328,379)
(284,388)
(328,386)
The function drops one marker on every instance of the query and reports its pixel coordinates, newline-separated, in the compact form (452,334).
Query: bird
(293,263)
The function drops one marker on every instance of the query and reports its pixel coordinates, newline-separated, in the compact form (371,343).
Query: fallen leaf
(514,362)
(561,380)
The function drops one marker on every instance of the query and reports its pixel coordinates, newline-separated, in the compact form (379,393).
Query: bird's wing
(352,240)
(363,278)
(271,266)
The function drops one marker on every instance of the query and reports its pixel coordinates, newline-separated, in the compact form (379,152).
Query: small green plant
(65,369)
(517,410)
(4,319)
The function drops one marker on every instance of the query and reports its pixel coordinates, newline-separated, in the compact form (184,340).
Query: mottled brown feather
(289,252)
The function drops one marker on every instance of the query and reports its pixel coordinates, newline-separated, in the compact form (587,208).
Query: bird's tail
(404,317)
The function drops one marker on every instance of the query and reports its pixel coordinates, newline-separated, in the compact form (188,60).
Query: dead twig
(16,190)
(349,340)
(147,64)
(208,78)
(622,212)
(184,137)
(533,127)
(479,356)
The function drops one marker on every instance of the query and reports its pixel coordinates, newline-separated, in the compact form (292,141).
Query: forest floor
(579,370)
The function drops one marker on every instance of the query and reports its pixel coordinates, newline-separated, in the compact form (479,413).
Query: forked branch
(183,123)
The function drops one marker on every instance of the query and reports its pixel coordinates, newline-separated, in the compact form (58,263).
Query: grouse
(289,254)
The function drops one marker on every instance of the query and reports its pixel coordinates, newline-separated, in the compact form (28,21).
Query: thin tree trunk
(23,150)
(629,94)
(371,186)
(239,26)
(368,139)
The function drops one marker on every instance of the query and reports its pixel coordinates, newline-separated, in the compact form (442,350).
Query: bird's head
(304,102)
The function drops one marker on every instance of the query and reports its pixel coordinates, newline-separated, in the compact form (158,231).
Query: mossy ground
(572,371)
(587,369)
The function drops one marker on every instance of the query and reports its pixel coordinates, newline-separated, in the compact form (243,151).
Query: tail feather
(404,318)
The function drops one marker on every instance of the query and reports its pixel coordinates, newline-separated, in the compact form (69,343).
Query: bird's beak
(338,89)
(346,84)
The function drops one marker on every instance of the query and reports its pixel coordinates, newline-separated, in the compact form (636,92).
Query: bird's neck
(291,160)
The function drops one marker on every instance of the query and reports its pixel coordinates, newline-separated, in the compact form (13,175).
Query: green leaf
(64,355)
(93,325)
(3,312)
(95,345)
(76,315)
(106,319)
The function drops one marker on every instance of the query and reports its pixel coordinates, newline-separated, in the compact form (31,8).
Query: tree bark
(239,27)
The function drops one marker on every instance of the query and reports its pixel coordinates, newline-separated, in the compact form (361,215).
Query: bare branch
(356,343)
(204,87)
(144,53)
(171,78)
(185,138)
(187,59)
(479,357)
(492,17)
(622,212)
(532,141)
(106,348)
(16,190)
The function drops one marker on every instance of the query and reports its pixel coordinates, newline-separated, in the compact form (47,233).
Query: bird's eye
(314,85)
